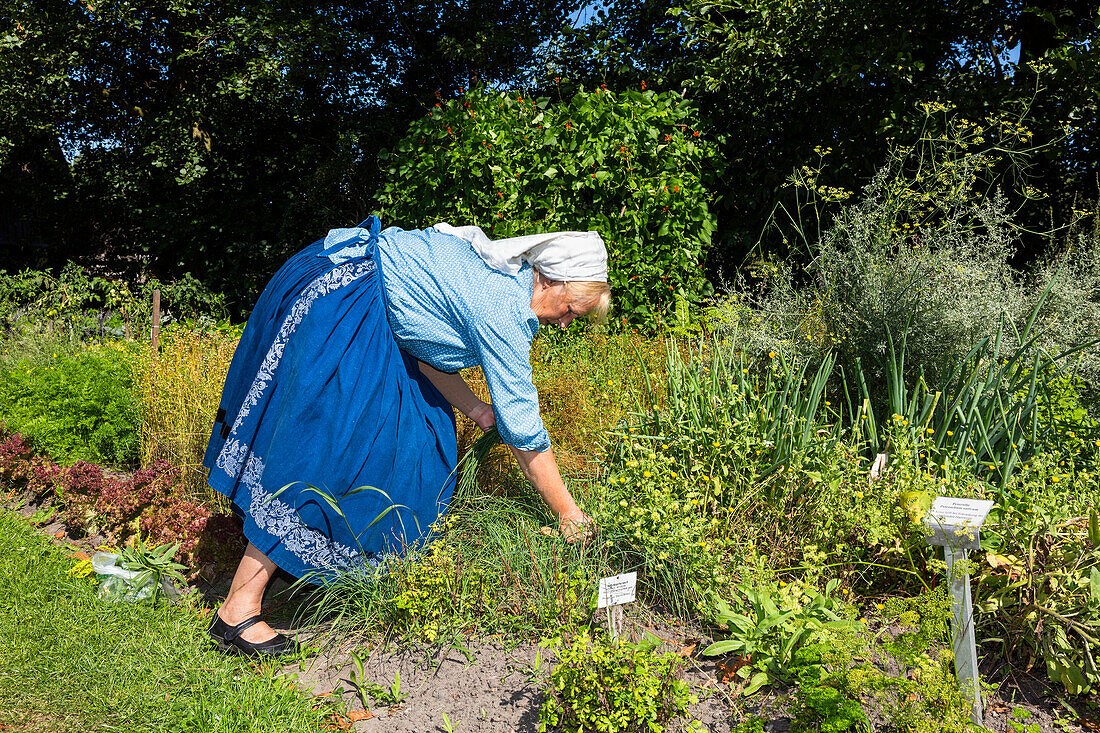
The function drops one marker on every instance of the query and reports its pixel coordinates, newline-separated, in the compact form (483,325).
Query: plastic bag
(117,584)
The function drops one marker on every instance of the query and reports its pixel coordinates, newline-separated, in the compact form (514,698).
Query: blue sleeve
(502,342)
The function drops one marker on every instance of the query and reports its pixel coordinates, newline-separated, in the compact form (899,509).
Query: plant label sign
(617,590)
(954,523)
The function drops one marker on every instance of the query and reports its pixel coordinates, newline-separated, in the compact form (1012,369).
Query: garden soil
(486,684)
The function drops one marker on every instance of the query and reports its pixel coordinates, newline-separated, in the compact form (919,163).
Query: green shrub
(923,254)
(629,165)
(1072,315)
(74,406)
(612,687)
(77,304)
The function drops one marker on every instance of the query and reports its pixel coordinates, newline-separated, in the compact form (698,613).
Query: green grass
(70,662)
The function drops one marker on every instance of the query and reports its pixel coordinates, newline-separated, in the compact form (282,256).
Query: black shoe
(228,638)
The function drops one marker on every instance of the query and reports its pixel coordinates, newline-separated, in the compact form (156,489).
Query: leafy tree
(188,135)
(775,79)
(629,165)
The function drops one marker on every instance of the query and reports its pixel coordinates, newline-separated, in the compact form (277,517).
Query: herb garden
(761,442)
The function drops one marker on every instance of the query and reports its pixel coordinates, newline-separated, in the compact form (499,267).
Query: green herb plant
(613,686)
(154,565)
(769,632)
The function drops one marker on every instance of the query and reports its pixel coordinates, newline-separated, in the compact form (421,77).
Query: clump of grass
(179,388)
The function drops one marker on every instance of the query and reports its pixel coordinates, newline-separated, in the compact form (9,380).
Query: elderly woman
(343,383)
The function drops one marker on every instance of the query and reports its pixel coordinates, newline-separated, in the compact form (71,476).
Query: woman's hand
(458,393)
(482,414)
(576,527)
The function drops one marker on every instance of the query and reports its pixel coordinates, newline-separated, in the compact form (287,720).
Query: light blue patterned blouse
(452,311)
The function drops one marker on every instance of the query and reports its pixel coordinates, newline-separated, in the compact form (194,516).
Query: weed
(392,695)
(358,679)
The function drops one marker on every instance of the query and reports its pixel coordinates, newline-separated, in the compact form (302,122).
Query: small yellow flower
(950,433)
(1055,478)
(771,354)
(646,474)
(610,382)
(880,606)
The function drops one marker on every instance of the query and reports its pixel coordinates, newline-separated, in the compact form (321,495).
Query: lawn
(72,662)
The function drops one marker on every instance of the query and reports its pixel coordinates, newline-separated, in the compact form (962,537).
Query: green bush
(613,687)
(925,252)
(629,165)
(1039,587)
(75,304)
(77,406)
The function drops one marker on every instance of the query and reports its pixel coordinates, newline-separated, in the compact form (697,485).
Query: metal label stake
(953,524)
(614,592)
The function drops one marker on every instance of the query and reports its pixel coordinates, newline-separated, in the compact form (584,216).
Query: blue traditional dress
(324,394)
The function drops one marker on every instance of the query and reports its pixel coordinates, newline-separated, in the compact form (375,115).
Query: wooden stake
(156,319)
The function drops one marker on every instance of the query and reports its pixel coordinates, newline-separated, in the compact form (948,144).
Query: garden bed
(488,683)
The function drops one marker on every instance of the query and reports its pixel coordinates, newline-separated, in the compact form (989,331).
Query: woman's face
(553,304)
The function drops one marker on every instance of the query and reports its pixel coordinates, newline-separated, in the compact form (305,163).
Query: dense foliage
(75,407)
(775,79)
(215,138)
(186,136)
(631,166)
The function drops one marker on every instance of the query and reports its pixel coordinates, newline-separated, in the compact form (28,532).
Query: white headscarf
(563,256)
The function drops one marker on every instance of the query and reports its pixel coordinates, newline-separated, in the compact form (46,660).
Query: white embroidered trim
(279,519)
(272,515)
(232,456)
(334,279)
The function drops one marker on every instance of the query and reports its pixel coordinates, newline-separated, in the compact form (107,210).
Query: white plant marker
(614,592)
(953,524)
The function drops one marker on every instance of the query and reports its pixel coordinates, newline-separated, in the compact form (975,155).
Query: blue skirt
(320,405)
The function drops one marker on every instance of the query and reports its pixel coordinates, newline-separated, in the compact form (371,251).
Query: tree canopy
(189,135)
